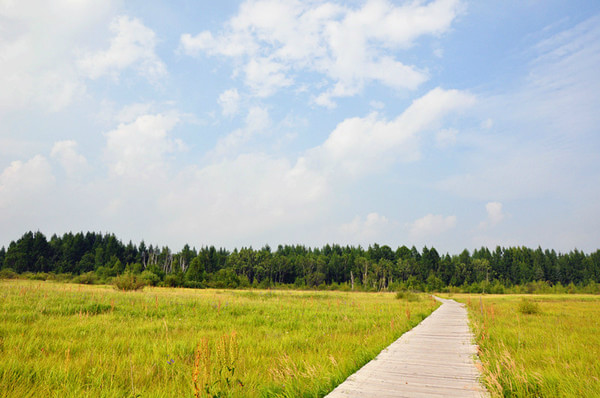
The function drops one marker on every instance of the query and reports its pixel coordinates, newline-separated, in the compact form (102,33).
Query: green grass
(78,340)
(538,345)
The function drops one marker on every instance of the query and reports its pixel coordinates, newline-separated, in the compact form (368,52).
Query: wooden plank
(435,359)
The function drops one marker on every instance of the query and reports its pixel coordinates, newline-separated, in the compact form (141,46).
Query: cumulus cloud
(446,137)
(66,153)
(41,45)
(364,231)
(494,214)
(265,77)
(37,41)
(257,119)
(361,145)
(276,190)
(221,201)
(243,199)
(376,104)
(229,101)
(133,45)
(130,112)
(138,149)
(351,47)
(431,225)
(257,122)
(21,181)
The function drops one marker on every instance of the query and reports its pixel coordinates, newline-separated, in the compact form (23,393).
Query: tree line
(96,258)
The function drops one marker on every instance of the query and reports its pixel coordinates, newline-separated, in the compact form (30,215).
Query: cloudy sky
(450,123)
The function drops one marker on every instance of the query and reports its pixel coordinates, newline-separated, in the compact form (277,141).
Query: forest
(97,258)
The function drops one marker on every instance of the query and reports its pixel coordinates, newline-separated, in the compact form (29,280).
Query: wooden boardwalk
(434,359)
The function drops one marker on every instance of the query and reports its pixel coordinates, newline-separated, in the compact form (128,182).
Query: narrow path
(434,359)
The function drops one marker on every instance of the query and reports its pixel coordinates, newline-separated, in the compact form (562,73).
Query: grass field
(538,345)
(76,340)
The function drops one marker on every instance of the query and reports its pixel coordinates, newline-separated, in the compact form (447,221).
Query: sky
(447,123)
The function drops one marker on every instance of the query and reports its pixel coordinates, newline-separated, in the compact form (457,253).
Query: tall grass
(539,346)
(87,340)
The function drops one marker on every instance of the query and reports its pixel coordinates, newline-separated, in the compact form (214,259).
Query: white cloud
(494,215)
(66,153)
(377,105)
(243,200)
(361,145)
(446,137)
(37,45)
(258,119)
(138,149)
(132,111)
(494,212)
(431,225)
(23,181)
(487,124)
(351,47)
(244,197)
(41,45)
(204,41)
(131,46)
(365,231)
(229,101)
(278,191)
(385,70)
(257,123)
(265,76)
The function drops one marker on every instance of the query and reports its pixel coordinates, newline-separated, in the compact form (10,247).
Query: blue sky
(446,123)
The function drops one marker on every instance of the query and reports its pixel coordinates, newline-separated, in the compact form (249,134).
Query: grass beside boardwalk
(538,345)
(76,340)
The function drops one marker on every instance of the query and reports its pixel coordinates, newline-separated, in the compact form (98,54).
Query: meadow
(70,340)
(537,345)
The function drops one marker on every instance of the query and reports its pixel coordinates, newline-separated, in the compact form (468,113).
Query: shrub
(88,278)
(7,273)
(244,282)
(264,284)
(408,296)
(150,278)
(344,287)
(62,277)
(38,276)
(128,282)
(193,284)
(537,287)
(529,307)
(497,288)
(413,284)
(225,279)
(173,280)
(591,288)
(434,284)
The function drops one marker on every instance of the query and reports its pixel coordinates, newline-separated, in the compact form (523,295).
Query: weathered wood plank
(435,359)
